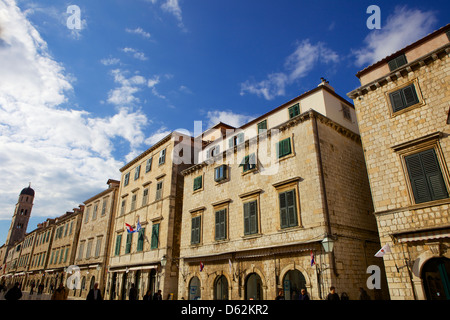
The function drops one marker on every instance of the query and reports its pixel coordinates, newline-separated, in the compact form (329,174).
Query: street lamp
(163,261)
(328,244)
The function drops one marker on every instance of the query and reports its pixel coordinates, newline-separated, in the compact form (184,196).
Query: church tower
(21,216)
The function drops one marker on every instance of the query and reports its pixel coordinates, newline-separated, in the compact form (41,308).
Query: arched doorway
(152,281)
(194,289)
(137,282)
(83,285)
(113,286)
(253,287)
(435,276)
(91,284)
(293,282)
(221,288)
(124,286)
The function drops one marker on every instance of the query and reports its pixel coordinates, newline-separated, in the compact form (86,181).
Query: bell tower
(21,216)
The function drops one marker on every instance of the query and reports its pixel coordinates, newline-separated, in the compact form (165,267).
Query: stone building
(403,115)
(94,240)
(150,202)
(267,196)
(61,253)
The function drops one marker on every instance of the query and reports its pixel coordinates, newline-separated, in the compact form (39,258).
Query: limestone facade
(403,112)
(264,197)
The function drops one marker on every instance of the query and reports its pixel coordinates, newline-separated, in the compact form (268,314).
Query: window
(249,162)
(137,172)
(118,242)
(66,254)
(237,139)
(70,229)
(155,236)
(403,98)
(126,179)
(98,247)
(212,152)
(88,249)
(195,229)
(159,186)
(104,206)
(250,218)
(288,209)
(133,201)
(81,250)
(425,176)
(128,243)
(66,229)
(220,173)
(145,197)
(141,237)
(162,157)
(262,126)
(346,112)
(221,224)
(94,213)
(198,183)
(122,207)
(283,148)
(148,166)
(86,217)
(294,111)
(397,62)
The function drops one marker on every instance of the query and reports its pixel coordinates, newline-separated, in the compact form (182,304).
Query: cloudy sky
(85,86)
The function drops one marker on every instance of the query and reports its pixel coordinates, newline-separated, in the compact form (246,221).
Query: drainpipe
(322,185)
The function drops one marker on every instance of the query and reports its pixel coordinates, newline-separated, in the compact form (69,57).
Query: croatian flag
(201,266)
(130,229)
(138,225)
(383,250)
(313,262)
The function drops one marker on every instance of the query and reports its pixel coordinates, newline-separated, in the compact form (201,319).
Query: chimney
(325,83)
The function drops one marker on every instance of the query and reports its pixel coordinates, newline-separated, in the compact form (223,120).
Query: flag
(138,226)
(130,229)
(201,266)
(313,262)
(230,265)
(383,250)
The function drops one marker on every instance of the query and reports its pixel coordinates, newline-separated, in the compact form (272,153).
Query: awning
(422,236)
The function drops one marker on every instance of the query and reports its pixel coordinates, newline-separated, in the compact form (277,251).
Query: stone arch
(188,283)
(303,271)
(247,273)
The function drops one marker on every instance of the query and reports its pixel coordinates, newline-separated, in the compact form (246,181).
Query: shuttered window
(140,243)
(221,224)
(404,98)
(249,162)
(283,148)
(220,173)
(397,62)
(128,243)
(195,229)
(198,183)
(148,166)
(288,209)
(294,111)
(250,218)
(425,176)
(262,126)
(155,236)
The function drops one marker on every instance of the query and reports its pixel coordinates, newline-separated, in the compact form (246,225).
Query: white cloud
(124,95)
(228,117)
(173,7)
(402,28)
(297,65)
(157,136)
(139,31)
(65,153)
(110,61)
(135,53)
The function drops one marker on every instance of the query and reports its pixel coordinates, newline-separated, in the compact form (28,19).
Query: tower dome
(28,191)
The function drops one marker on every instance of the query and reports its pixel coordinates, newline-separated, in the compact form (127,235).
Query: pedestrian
(363,294)
(157,295)
(344,296)
(61,293)
(133,293)
(32,288)
(304,295)
(41,288)
(94,294)
(280,295)
(148,295)
(14,293)
(333,296)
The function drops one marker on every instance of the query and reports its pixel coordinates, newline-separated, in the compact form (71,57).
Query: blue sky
(77,104)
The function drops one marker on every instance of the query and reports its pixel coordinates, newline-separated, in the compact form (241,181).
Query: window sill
(254,170)
(251,236)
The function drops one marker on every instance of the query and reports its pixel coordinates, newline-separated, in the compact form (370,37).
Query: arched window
(194,289)
(221,288)
(253,287)
(436,279)
(293,282)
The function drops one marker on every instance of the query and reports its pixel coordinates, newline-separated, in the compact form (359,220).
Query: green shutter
(195,230)
(404,98)
(198,183)
(288,209)
(155,236)
(140,244)
(128,244)
(283,148)
(410,95)
(425,177)
(250,218)
(221,224)
(118,242)
(294,111)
